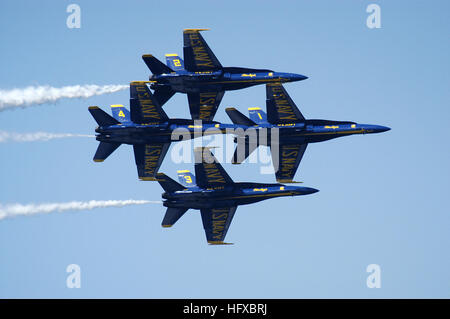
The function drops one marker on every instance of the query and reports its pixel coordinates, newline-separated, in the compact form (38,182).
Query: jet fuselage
(165,132)
(224,80)
(230,195)
(311,131)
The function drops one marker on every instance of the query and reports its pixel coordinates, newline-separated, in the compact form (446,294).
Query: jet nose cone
(298,77)
(374,128)
(305,191)
(310,190)
(383,129)
(378,128)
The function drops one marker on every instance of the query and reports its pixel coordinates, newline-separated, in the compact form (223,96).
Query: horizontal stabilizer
(156,66)
(172,216)
(168,184)
(238,118)
(101,117)
(104,150)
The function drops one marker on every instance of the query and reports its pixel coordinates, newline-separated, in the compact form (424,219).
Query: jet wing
(198,57)
(148,159)
(163,94)
(144,107)
(216,222)
(287,160)
(204,105)
(208,171)
(280,107)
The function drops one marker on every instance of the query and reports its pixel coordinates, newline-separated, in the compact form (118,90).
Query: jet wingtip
(219,243)
(142,178)
(288,181)
(196,29)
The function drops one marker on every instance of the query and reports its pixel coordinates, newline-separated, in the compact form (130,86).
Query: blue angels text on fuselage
(202,76)
(293,130)
(215,194)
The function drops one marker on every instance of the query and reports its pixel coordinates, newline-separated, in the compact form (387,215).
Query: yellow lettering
(151,157)
(188,179)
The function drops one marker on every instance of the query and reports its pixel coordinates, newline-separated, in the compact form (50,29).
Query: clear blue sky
(383,198)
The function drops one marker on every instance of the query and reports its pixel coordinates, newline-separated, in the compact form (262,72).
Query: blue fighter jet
(215,194)
(202,76)
(293,130)
(147,127)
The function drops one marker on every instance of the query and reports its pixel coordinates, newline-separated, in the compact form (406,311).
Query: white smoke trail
(12,210)
(35,136)
(46,94)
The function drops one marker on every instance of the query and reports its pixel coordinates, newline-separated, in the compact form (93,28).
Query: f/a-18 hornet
(294,131)
(202,76)
(147,127)
(215,194)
